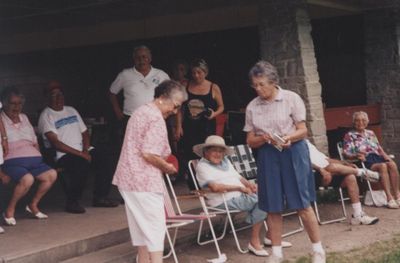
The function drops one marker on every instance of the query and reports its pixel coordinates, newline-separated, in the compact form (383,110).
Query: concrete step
(121,253)
(59,251)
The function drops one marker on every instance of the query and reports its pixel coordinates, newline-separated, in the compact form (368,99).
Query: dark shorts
(16,168)
(285,179)
(373,158)
(336,180)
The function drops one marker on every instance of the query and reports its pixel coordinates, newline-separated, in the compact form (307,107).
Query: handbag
(379,197)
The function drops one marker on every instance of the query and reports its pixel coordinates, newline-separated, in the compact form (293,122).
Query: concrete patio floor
(101,234)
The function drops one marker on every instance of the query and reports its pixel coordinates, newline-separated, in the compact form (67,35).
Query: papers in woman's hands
(279,141)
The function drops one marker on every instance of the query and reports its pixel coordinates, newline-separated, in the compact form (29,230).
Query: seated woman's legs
(46,180)
(255,235)
(20,190)
(382,169)
(394,178)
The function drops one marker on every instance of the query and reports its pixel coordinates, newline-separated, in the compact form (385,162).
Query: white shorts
(146,219)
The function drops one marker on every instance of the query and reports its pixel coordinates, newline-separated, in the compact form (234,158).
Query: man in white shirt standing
(137,83)
(63,129)
(342,174)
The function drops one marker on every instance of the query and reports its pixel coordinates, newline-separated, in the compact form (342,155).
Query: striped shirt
(278,116)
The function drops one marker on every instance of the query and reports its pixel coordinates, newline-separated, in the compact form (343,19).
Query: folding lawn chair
(245,163)
(334,220)
(339,146)
(175,219)
(217,211)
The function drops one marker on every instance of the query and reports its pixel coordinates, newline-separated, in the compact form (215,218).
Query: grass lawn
(379,252)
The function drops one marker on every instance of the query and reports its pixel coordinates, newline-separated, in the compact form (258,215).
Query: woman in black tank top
(197,119)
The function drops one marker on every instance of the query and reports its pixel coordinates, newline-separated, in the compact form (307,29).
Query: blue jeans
(246,203)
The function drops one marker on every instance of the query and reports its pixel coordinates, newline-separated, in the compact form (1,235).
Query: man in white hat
(215,172)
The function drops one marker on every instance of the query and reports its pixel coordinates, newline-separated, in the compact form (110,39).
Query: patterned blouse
(355,142)
(146,132)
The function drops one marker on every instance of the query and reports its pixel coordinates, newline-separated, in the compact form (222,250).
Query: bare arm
(221,188)
(4,139)
(85,141)
(217,95)
(62,147)
(160,163)
(115,106)
(299,134)
(256,141)
(178,128)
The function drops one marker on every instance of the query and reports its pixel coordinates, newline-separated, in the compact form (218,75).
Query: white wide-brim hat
(212,141)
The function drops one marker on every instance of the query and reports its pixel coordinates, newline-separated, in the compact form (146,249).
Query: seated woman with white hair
(215,172)
(362,144)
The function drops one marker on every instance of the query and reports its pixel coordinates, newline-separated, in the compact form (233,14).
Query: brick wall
(382,59)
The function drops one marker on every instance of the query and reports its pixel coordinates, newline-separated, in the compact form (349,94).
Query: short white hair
(360,113)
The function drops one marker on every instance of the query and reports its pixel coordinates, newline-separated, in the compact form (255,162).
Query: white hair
(360,113)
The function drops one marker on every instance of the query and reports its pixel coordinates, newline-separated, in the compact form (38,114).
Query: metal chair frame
(339,146)
(245,163)
(177,219)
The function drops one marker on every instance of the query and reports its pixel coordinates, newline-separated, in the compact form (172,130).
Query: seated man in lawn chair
(331,172)
(215,172)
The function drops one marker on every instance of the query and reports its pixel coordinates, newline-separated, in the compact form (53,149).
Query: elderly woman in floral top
(363,145)
(140,167)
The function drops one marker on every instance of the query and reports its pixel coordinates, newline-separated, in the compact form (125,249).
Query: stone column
(285,41)
(382,65)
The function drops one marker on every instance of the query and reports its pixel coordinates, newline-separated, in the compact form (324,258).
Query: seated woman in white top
(23,163)
(214,171)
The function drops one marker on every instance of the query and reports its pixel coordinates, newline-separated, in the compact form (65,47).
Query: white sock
(317,247)
(360,171)
(277,251)
(357,210)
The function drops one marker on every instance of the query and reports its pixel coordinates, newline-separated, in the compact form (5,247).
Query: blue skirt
(285,178)
(372,159)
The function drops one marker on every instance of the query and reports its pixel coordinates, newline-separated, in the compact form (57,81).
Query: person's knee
(382,168)
(51,176)
(332,167)
(392,165)
(350,181)
(305,212)
(26,181)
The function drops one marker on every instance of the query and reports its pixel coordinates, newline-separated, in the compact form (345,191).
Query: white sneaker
(392,204)
(364,219)
(274,259)
(318,257)
(369,175)
(1,230)
(284,244)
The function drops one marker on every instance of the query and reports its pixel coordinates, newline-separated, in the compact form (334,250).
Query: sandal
(38,215)
(10,221)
